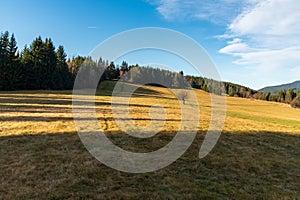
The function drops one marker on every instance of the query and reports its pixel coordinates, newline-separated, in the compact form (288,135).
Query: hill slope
(256,157)
(275,89)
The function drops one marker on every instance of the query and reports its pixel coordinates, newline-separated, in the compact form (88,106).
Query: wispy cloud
(266,37)
(92,27)
(263,35)
(217,11)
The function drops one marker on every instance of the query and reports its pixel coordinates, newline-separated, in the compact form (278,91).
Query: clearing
(41,155)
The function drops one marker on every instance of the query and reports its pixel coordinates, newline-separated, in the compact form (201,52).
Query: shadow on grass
(260,165)
(27,98)
(50,104)
(50,119)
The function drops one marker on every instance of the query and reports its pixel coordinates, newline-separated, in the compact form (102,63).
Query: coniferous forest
(42,66)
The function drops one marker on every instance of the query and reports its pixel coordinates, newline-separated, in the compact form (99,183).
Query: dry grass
(41,156)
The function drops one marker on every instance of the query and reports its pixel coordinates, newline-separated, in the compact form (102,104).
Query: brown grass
(41,156)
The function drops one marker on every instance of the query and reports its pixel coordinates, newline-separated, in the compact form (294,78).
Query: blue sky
(252,42)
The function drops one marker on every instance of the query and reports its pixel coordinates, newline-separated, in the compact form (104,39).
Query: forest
(41,66)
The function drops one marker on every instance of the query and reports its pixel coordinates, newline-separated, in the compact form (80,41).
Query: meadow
(41,155)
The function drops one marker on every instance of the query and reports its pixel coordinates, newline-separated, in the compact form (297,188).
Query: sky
(255,43)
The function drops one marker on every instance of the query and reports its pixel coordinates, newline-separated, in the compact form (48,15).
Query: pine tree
(124,68)
(37,55)
(231,91)
(9,62)
(28,72)
(75,64)
(290,95)
(281,96)
(63,77)
(4,40)
(49,64)
(267,96)
(14,75)
(110,71)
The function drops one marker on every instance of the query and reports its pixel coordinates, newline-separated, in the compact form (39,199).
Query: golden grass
(43,113)
(41,156)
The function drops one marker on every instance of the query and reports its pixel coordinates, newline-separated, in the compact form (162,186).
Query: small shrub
(296,102)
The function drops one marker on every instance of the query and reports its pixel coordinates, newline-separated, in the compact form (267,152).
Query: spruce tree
(14,69)
(63,77)
(4,40)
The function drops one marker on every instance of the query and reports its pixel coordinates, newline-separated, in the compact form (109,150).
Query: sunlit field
(41,155)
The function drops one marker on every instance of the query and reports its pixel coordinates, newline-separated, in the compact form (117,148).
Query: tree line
(42,66)
(290,96)
(39,66)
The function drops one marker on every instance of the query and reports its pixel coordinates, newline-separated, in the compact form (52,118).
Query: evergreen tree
(124,68)
(14,70)
(273,97)
(4,59)
(290,95)
(231,91)
(281,96)
(9,62)
(49,65)
(28,72)
(37,55)
(267,96)
(63,77)
(111,71)
(37,67)
(75,64)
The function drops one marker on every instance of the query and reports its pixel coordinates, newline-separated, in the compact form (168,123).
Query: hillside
(256,157)
(275,89)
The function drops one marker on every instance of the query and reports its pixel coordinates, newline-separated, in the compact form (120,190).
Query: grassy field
(41,155)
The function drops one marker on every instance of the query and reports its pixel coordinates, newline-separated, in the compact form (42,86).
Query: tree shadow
(51,119)
(48,104)
(241,165)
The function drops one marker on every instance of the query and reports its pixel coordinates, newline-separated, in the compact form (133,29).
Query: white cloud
(270,59)
(235,47)
(235,41)
(270,33)
(217,11)
(92,27)
(269,17)
(264,35)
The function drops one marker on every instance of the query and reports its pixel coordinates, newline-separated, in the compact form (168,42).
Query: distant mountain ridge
(275,89)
